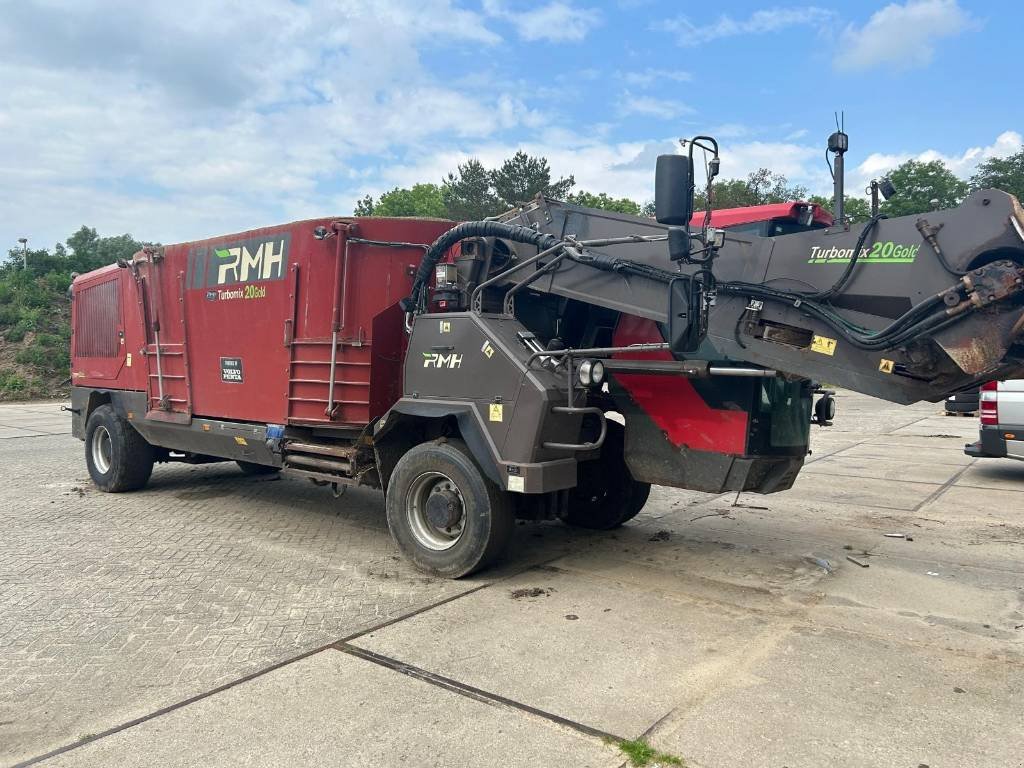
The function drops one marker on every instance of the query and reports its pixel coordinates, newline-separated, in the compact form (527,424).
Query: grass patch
(641,753)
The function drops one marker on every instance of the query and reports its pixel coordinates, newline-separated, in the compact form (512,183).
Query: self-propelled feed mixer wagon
(468,370)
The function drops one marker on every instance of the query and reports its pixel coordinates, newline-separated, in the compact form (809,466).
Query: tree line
(473,191)
(35,313)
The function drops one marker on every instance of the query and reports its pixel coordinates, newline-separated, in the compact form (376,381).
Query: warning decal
(823,345)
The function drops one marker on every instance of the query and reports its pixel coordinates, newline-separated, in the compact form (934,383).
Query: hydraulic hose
(923,318)
(437,249)
(844,278)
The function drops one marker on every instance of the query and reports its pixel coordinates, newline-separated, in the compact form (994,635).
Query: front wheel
(118,457)
(606,495)
(444,513)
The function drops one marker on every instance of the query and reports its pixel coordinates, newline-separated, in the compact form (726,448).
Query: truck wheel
(606,495)
(249,468)
(118,457)
(444,513)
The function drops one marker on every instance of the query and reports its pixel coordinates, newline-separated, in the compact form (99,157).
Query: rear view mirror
(673,190)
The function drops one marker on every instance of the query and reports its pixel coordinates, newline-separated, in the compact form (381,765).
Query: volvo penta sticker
(231,369)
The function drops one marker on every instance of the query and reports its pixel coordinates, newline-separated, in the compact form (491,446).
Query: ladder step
(340,451)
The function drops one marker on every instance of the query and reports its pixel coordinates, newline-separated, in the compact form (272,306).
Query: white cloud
(645,78)
(761,22)
(648,106)
(900,36)
(102,123)
(555,21)
(963,165)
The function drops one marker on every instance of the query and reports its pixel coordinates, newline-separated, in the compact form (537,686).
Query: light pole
(24,249)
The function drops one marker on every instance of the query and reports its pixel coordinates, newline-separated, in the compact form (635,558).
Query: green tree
(35,311)
(85,251)
(421,200)
(522,176)
(761,187)
(605,202)
(364,207)
(918,184)
(468,194)
(89,250)
(1005,173)
(856,209)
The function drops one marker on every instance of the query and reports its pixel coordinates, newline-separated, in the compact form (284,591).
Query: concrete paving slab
(40,427)
(882,469)
(836,489)
(998,474)
(937,425)
(111,606)
(611,654)
(879,704)
(335,709)
(900,453)
(978,506)
(6,432)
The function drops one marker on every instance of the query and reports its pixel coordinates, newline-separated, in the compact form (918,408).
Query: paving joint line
(944,487)
(882,479)
(865,440)
(470,691)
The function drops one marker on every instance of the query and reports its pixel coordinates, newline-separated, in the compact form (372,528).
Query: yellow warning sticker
(240,440)
(128,360)
(497,412)
(823,345)
(487,349)
(446,326)
(886,366)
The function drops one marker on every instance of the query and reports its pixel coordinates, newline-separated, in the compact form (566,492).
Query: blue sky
(176,121)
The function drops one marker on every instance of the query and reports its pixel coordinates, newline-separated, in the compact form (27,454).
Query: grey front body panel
(478,362)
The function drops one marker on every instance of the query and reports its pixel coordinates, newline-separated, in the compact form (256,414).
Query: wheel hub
(443,508)
(436,511)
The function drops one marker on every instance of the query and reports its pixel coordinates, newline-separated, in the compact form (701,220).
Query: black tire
(482,511)
(606,495)
(118,457)
(249,468)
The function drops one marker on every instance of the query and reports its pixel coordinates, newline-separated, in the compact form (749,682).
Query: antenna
(838,143)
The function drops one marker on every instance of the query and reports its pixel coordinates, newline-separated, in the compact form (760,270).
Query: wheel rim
(432,496)
(101,449)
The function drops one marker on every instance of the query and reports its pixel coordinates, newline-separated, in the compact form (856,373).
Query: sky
(176,121)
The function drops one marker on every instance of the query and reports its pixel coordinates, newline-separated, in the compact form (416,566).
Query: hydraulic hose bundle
(417,301)
(927,317)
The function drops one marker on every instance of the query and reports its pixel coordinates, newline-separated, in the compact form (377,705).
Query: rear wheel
(606,495)
(444,513)
(118,457)
(256,469)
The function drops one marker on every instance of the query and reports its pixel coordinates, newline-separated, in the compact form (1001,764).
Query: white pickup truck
(1002,421)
